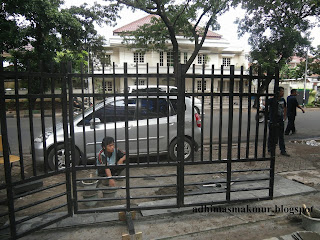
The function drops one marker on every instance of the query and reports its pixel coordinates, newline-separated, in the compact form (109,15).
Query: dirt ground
(303,158)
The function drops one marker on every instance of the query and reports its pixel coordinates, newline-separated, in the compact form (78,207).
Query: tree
(278,29)
(287,72)
(47,29)
(314,62)
(191,19)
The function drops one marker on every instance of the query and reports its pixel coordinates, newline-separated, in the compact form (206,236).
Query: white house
(215,51)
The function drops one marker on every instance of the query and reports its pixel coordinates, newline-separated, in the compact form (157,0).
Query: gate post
(7,167)
(273,133)
(65,77)
(180,133)
(230,124)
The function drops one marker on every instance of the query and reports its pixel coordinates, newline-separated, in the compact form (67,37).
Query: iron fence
(183,148)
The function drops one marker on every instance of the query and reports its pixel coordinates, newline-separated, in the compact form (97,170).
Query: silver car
(148,121)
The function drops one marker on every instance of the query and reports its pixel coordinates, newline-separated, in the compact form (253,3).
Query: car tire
(61,157)
(188,145)
(260,117)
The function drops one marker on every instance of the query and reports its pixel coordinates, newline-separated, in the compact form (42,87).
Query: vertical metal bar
(66,136)
(220,113)
(30,98)
(137,114)
(274,129)
(249,112)
(240,112)
(180,137)
(73,149)
(168,115)
(43,127)
(53,111)
(257,116)
(128,203)
(114,99)
(18,120)
(230,126)
(104,100)
(266,113)
(148,131)
(5,145)
(158,120)
(211,112)
(193,96)
(83,124)
(202,108)
(94,110)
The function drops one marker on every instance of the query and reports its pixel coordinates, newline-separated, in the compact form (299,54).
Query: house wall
(214,49)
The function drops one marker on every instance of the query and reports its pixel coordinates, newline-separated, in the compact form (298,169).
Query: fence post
(180,133)
(5,144)
(67,146)
(230,129)
(274,129)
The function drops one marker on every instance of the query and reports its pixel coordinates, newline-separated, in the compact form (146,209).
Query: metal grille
(184,147)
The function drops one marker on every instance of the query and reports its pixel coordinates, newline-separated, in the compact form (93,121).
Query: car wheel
(260,117)
(188,145)
(61,157)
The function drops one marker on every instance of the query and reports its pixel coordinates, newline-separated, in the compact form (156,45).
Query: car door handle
(171,124)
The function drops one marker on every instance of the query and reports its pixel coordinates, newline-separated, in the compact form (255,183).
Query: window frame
(138,57)
(226,62)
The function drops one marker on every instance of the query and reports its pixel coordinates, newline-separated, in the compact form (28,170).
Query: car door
(107,120)
(153,115)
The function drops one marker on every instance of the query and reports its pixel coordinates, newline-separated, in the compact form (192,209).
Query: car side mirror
(94,122)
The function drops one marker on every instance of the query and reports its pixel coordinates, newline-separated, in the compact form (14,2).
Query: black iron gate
(199,143)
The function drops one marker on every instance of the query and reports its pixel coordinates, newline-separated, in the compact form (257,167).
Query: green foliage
(77,58)
(287,72)
(41,35)
(278,29)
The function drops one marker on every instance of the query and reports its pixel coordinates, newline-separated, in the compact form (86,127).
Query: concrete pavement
(188,223)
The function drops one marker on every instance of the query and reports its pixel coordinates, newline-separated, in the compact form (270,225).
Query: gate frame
(71,181)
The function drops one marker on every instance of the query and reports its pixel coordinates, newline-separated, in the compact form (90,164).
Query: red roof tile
(145,20)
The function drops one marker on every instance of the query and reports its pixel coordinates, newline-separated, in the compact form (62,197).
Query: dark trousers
(276,136)
(291,126)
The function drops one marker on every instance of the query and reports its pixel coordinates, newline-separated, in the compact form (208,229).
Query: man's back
(292,105)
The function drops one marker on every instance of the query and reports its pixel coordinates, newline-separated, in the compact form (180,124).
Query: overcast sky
(228,28)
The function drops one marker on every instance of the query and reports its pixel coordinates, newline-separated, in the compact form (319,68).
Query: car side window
(153,108)
(113,112)
(173,90)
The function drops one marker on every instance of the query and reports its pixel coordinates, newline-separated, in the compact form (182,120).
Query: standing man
(277,121)
(292,111)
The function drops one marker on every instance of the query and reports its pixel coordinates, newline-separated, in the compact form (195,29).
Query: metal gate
(195,144)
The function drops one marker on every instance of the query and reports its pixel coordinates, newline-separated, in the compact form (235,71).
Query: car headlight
(40,138)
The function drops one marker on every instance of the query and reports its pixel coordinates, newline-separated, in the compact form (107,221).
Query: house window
(202,59)
(170,58)
(108,86)
(108,60)
(161,59)
(185,58)
(226,62)
(199,85)
(140,82)
(138,57)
